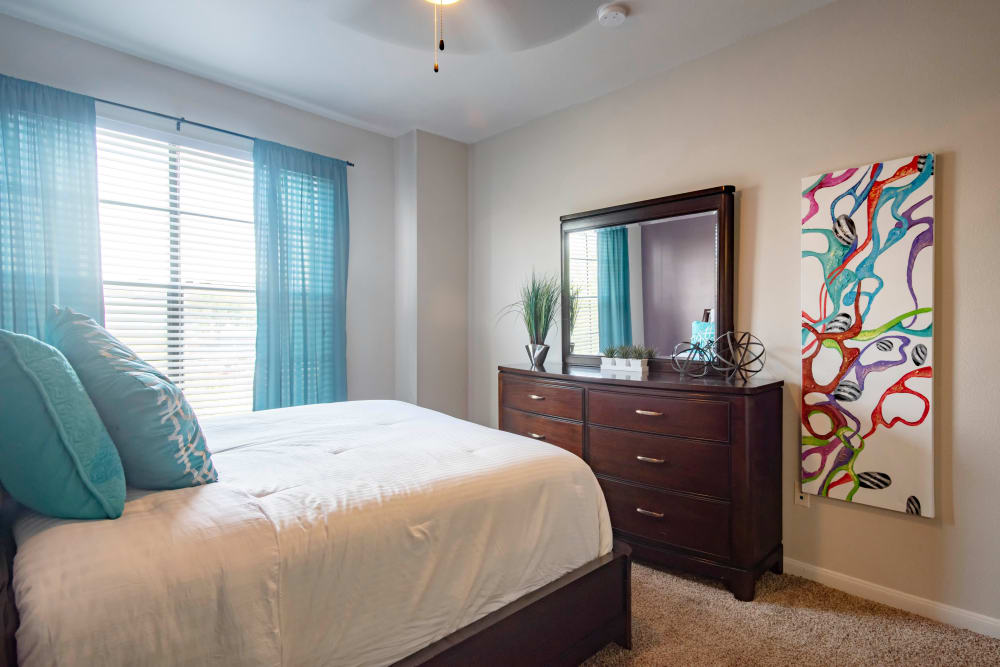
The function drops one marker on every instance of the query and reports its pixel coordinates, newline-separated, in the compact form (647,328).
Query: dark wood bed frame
(562,623)
(8,612)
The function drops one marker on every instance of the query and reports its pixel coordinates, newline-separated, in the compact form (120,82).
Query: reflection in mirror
(651,283)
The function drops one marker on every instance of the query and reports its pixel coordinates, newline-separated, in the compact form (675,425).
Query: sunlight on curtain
(49,238)
(301,222)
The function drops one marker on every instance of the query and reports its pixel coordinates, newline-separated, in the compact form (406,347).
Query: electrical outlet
(801,497)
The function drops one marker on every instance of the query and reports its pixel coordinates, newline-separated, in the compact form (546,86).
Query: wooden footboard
(562,623)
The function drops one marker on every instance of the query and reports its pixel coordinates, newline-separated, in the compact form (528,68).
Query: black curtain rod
(181,119)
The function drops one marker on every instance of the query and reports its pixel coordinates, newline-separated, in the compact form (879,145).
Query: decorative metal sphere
(738,354)
(691,359)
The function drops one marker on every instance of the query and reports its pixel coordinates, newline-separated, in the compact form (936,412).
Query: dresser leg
(779,564)
(742,586)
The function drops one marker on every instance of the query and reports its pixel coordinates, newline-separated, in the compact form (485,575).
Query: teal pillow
(156,431)
(55,455)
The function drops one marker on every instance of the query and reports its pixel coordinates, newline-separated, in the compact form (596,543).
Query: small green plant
(538,306)
(629,352)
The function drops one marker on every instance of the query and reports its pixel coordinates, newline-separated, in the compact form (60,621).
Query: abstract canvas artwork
(867,334)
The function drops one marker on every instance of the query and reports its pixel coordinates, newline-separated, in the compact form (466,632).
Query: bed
(359,533)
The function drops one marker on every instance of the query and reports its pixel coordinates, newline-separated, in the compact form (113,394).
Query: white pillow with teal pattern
(151,423)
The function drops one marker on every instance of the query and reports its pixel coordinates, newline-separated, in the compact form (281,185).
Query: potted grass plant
(632,359)
(538,307)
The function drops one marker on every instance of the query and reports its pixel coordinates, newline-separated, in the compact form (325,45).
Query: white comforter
(342,534)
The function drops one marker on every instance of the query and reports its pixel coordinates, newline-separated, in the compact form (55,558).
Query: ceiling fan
(474,26)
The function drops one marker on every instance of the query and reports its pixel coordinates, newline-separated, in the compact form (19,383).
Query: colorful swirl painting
(867,334)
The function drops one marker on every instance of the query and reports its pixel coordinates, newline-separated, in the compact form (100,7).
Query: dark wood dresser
(690,467)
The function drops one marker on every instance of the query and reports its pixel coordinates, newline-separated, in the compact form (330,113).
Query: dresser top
(655,380)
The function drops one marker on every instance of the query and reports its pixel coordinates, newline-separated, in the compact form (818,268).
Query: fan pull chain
(438,31)
(435,36)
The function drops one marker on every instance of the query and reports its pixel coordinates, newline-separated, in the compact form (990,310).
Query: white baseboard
(937,611)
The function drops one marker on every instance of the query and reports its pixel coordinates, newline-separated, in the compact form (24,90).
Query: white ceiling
(369,62)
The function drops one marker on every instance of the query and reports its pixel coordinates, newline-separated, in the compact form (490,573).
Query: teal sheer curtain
(50,250)
(614,304)
(301,221)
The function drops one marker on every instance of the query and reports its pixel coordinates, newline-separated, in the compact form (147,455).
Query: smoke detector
(611,15)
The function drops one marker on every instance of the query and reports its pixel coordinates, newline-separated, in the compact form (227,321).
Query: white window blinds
(584,338)
(177,244)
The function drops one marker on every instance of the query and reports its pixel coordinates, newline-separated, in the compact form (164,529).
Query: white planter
(636,367)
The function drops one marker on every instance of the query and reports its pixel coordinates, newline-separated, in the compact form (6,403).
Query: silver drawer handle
(646,459)
(537,436)
(655,515)
(649,413)
(536,397)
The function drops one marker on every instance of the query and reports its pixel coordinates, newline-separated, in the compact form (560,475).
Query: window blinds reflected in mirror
(585,334)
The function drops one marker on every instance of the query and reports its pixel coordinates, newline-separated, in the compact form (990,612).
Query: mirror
(654,274)
(649,283)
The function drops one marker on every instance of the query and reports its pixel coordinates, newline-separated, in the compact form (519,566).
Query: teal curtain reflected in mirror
(50,250)
(301,229)
(614,310)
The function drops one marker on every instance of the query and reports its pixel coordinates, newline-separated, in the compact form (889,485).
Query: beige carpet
(682,620)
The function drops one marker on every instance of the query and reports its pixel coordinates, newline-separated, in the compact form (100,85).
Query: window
(177,247)
(584,338)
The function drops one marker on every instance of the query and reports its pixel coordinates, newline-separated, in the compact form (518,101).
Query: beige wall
(405,155)
(442,380)
(432,272)
(852,82)
(37,54)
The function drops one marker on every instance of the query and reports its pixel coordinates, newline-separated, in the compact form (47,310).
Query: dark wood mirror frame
(700,201)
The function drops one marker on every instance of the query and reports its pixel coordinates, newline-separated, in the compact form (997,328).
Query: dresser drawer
(660,516)
(543,398)
(563,434)
(708,420)
(670,463)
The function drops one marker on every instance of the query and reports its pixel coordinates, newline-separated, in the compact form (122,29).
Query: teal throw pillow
(55,455)
(155,429)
